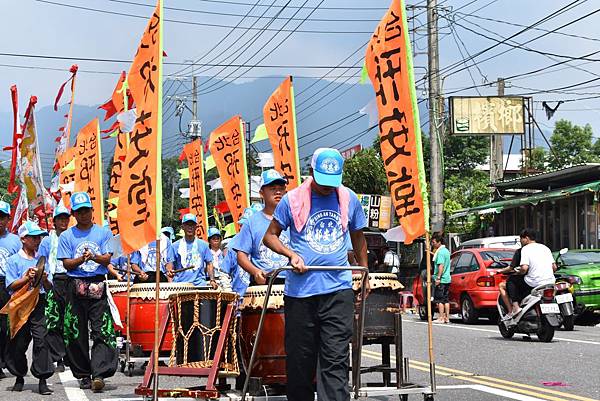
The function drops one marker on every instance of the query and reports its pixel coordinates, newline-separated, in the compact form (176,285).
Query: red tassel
(222,207)
(111,129)
(109,108)
(182,156)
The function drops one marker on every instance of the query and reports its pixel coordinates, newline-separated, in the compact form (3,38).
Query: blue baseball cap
(168,230)
(212,231)
(60,209)
(189,217)
(79,200)
(271,176)
(4,208)
(327,165)
(30,228)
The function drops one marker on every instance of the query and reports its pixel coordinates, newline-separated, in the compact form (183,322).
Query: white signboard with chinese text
(487,115)
(378,210)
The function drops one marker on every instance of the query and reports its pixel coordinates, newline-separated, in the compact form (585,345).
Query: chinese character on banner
(194,154)
(389,64)
(66,164)
(280,120)
(88,163)
(114,181)
(228,148)
(141,194)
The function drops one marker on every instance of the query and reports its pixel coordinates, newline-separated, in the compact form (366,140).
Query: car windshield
(497,255)
(580,258)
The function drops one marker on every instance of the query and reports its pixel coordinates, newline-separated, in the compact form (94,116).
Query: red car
(474,287)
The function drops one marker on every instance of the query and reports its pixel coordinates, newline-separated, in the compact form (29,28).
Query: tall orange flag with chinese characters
(279,114)
(194,154)
(88,163)
(228,149)
(140,192)
(390,67)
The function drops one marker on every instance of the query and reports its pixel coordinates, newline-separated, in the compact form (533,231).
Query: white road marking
(71,386)
(454,326)
(503,393)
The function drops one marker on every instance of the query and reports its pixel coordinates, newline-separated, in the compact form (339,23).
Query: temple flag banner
(228,149)
(280,121)
(195,158)
(88,171)
(390,68)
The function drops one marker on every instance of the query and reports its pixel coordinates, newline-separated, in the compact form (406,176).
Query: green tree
(537,160)
(462,190)
(571,144)
(4,179)
(465,152)
(364,173)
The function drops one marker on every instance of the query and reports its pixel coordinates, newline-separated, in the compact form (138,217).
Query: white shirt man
(539,259)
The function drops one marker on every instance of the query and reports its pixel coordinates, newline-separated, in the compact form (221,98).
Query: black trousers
(16,348)
(517,288)
(79,312)
(4,297)
(55,312)
(318,331)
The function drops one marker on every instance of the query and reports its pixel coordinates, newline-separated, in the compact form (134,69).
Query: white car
(506,242)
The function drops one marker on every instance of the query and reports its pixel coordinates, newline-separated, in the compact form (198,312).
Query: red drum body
(142,318)
(269,362)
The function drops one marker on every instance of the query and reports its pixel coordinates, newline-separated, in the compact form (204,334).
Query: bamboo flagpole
(156,318)
(429,313)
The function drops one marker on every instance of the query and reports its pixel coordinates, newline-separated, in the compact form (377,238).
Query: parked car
(505,242)
(583,268)
(474,286)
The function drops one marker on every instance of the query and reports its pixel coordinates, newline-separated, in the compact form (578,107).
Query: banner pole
(156,318)
(429,313)
(128,340)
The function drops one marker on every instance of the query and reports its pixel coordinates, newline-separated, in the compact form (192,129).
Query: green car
(583,267)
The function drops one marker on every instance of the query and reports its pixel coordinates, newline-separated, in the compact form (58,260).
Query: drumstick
(182,269)
(125,271)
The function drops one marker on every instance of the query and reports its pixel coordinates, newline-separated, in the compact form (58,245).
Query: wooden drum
(382,303)
(269,363)
(197,320)
(141,321)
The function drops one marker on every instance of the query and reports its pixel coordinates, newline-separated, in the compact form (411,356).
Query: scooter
(565,301)
(539,315)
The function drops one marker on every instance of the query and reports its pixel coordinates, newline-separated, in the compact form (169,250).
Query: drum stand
(360,322)
(210,390)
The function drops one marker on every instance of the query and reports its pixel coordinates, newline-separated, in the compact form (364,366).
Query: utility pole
(496,153)
(436,120)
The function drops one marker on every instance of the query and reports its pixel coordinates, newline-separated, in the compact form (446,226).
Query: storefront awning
(498,206)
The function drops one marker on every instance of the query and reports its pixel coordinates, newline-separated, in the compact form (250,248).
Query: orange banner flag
(390,68)
(88,167)
(114,181)
(194,154)
(228,148)
(141,181)
(279,114)
(67,175)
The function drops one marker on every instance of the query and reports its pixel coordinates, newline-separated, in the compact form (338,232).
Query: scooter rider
(537,268)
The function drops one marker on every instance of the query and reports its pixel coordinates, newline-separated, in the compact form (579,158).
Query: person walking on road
(441,274)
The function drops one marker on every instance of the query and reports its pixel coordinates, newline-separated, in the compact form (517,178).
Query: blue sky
(35,27)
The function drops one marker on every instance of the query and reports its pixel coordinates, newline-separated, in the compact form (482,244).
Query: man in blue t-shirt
(57,297)
(85,250)
(240,278)
(9,245)
(253,256)
(21,270)
(193,254)
(319,305)
(143,262)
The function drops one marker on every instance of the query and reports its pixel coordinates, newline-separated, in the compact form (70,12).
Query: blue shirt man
(240,278)
(9,242)
(320,215)
(22,265)
(144,260)
(193,253)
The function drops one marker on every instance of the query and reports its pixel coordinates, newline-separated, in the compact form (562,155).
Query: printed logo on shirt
(324,232)
(89,266)
(271,259)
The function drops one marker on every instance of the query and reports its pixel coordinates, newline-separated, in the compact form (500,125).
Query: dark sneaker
(97,385)
(19,383)
(60,367)
(43,388)
(85,383)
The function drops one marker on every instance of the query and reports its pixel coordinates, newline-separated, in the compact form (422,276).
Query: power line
(145,17)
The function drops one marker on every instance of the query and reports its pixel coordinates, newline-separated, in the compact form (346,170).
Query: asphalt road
(473,363)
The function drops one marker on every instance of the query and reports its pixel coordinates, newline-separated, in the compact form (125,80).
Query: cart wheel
(130,367)
(428,397)
(122,366)
(403,397)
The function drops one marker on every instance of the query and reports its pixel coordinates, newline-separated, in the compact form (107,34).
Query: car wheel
(469,314)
